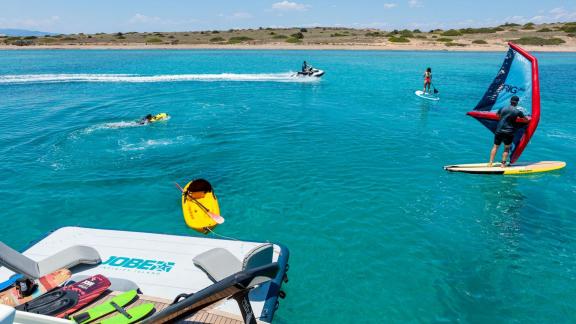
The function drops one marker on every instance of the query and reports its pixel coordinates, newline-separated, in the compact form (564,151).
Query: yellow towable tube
(200,206)
(159,117)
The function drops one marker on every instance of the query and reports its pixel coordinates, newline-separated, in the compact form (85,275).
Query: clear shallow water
(347,172)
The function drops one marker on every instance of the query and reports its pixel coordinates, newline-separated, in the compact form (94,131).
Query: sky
(78,16)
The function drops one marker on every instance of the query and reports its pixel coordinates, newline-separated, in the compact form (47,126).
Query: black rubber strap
(120,310)
(81,318)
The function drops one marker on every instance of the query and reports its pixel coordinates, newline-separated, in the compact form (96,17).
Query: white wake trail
(135,78)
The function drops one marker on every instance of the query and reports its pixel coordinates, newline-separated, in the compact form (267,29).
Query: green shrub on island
(279,37)
(544,30)
(298,35)
(9,40)
(30,37)
(406,33)
(538,41)
(50,40)
(215,32)
(22,42)
(303,30)
(456,44)
(337,35)
(68,38)
(569,28)
(479,41)
(444,39)
(571,35)
(400,39)
(154,40)
(374,34)
(479,30)
(293,40)
(421,36)
(451,32)
(510,25)
(217,39)
(239,39)
(416,31)
(528,26)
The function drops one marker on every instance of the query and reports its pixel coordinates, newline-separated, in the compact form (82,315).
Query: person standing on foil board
(506,128)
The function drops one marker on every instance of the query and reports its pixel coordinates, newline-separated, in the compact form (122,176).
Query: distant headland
(557,37)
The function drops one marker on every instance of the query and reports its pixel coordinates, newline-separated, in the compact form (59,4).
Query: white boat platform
(162,267)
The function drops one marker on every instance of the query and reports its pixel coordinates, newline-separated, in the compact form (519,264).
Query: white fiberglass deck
(161,265)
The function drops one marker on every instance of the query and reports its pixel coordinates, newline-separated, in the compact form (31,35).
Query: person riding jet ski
(308,70)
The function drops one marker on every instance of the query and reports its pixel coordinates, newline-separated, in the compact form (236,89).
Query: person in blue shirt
(305,67)
(505,130)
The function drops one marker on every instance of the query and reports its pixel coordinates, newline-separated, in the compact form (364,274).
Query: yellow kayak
(200,206)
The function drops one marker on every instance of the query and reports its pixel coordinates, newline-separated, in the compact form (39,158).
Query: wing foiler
(518,76)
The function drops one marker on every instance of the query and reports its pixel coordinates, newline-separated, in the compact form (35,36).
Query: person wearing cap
(506,128)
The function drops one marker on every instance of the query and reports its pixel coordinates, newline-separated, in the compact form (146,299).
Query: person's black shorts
(506,138)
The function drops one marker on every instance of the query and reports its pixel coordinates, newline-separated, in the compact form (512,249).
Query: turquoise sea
(346,171)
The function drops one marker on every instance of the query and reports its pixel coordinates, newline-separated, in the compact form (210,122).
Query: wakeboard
(66,300)
(106,308)
(11,297)
(131,315)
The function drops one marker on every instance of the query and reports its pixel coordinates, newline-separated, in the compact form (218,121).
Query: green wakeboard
(104,309)
(134,314)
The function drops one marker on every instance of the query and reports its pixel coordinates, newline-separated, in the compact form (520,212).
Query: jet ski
(312,72)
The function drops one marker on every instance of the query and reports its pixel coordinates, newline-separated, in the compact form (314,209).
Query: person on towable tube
(146,120)
(152,118)
(506,128)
